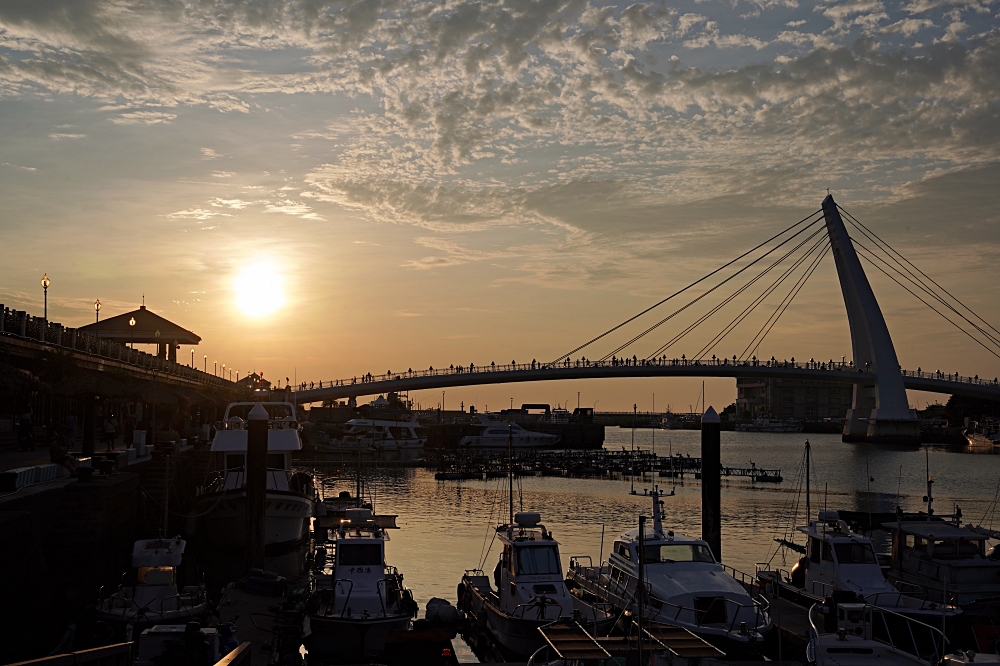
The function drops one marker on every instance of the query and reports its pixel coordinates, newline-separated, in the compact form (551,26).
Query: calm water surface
(447,526)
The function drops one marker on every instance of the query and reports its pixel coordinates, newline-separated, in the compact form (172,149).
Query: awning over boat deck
(230,441)
(933,529)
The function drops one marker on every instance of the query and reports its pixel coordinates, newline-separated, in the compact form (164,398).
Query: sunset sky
(323,189)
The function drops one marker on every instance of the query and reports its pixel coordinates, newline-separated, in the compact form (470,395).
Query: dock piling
(711,481)
(256,470)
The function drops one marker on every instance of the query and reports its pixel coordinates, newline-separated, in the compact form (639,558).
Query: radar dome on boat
(358,515)
(527,518)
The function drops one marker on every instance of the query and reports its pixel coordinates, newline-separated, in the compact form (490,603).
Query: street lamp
(97,310)
(192,358)
(215,367)
(131,323)
(206,363)
(157,334)
(45,290)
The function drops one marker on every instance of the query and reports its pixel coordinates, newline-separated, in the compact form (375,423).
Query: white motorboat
(859,634)
(769,425)
(154,598)
(393,440)
(837,560)
(528,588)
(499,435)
(290,499)
(357,599)
(685,586)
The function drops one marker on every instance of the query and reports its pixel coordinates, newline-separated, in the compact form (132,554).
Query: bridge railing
(811,365)
(20,324)
(368,378)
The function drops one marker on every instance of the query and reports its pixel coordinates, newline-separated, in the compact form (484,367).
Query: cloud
(288,207)
(209,154)
(143,118)
(19,167)
(238,204)
(60,137)
(223,174)
(196,214)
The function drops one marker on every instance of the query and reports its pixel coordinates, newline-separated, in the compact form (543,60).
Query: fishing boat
(497,435)
(154,598)
(358,599)
(685,587)
(290,498)
(528,589)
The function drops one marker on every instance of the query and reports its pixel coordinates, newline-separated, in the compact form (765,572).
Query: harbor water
(448,526)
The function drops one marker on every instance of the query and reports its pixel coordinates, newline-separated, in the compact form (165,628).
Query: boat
(357,599)
(154,597)
(849,632)
(982,436)
(391,439)
(499,435)
(768,425)
(528,589)
(685,587)
(290,498)
(836,560)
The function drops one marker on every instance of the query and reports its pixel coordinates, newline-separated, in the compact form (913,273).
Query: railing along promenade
(18,324)
(458,375)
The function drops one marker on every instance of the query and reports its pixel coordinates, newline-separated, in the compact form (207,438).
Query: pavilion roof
(146,325)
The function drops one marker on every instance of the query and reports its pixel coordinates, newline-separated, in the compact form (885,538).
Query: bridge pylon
(880,411)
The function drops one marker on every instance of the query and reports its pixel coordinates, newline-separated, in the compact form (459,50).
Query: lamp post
(215,367)
(157,334)
(192,358)
(45,291)
(131,325)
(205,370)
(97,311)
(223,370)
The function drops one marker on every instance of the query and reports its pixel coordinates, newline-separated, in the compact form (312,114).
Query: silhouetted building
(792,398)
(144,327)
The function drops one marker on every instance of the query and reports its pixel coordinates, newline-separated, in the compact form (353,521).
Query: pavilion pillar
(173,351)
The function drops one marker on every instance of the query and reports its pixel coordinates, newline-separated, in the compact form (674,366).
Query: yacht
(685,587)
(499,435)
(291,497)
(395,440)
(357,599)
(528,589)
(154,598)
(837,560)
(767,425)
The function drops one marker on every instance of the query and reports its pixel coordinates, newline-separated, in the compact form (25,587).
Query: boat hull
(515,636)
(349,639)
(223,523)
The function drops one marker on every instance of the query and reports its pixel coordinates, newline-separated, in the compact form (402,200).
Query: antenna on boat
(808,503)
(657,513)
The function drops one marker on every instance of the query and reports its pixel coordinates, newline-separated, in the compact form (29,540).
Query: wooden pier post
(711,481)
(256,471)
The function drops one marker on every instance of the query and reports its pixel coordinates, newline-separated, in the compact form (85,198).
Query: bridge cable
(750,309)
(912,265)
(868,252)
(699,321)
(789,302)
(698,281)
(706,293)
(920,284)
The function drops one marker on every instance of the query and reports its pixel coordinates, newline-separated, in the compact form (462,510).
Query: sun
(259,289)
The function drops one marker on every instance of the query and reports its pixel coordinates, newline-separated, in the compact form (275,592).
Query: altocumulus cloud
(482,109)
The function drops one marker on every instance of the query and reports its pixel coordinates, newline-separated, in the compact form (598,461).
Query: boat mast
(930,484)
(510,472)
(640,583)
(808,504)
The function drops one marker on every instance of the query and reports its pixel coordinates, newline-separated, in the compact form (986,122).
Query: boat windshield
(855,553)
(678,552)
(360,554)
(532,560)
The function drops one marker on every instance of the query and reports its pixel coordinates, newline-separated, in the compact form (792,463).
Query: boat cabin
(943,560)
(838,559)
(530,571)
(230,443)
